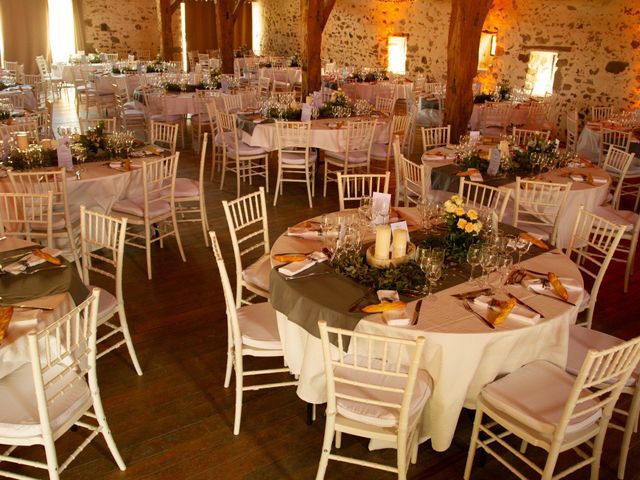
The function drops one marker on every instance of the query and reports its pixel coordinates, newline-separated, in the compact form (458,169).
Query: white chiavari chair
(613,138)
(358,139)
(232,102)
(155,212)
(538,205)
(375,389)
(252,330)
(164,135)
(295,157)
(190,201)
(398,127)
(495,119)
(522,137)
(249,230)
(385,105)
(593,243)
(572,132)
(56,391)
(435,137)
(414,181)
(545,406)
(599,113)
(479,196)
(102,245)
(356,186)
(28,216)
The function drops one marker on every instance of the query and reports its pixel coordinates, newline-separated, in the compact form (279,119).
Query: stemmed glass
(503,264)
(522,247)
(431,266)
(488,261)
(329,228)
(474,258)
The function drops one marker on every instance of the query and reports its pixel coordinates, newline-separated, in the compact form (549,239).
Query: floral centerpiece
(337,105)
(368,76)
(538,151)
(462,229)
(36,156)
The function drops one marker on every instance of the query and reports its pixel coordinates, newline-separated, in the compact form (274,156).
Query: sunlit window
(183,36)
(61,30)
(397,46)
(541,72)
(487,50)
(256,27)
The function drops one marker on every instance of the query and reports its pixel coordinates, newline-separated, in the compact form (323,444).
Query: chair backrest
(87,123)
(385,105)
(617,163)
(43,182)
(27,215)
(539,204)
(30,126)
(233,327)
(263,86)
(232,102)
(102,239)
(293,137)
(61,354)
(435,137)
(354,187)
(164,133)
(159,181)
(431,88)
(522,136)
(228,130)
(479,196)
(359,137)
(43,67)
(400,126)
(593,242)
(617,138)
(537,115)
(249,230)
(572,130)
(496,115)
(601,113)
(212,114)
(414,182)
(377,371)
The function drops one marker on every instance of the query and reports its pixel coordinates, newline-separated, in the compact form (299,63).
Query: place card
(474,137)
(494,162)
(306,112)
(65,159)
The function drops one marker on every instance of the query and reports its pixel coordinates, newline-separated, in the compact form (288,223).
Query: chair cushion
(166,118)
(107,304)
(381,150)
(293,158)
(131,105)
(259,326)
(19,416)
(354,157)
(621,217)
(582,339)
(258,273)
(245,150)
(374,414)
(535,395)
(136,207)
(187,187)
(133,113)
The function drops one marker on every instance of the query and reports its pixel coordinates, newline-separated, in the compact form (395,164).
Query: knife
(466,305)
(472,293)
(522,302)
(416,312)
(551,295)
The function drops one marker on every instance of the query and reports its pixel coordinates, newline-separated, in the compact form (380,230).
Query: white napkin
(570,285)
(30,260)
(576,178)
(476,177)
(302,232)
(388,296)
(296,267)
(397,317)
(598,179)
(115,164)
(519,312)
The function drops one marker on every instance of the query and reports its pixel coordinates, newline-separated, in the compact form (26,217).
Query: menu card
(64,154)
(494,162)
(306,113)
(380,204)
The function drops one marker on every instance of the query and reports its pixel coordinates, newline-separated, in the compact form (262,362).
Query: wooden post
(165,9)
(313,18)
(467,19)
(227,12)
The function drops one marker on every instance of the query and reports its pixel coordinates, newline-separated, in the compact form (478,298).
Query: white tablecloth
(519,115)
(461,353)
(323,135)
(369,91)
(291,75)
(588,145)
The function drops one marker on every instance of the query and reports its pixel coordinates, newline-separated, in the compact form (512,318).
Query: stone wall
(598,41)
(123,27)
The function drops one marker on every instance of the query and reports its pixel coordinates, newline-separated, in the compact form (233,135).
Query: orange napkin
(557,286)
(383,307)
(5,317)
(468,173)
(535,240)
(505,310)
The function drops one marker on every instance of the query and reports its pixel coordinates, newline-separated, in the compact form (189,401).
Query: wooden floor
(175,421)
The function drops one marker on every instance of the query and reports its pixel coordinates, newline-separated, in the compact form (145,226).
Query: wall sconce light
(397,48)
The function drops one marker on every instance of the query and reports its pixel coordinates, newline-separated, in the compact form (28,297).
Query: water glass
(474,258)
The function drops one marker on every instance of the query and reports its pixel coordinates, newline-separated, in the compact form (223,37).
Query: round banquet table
(325,134)
(443,177)
(290,75)
(461,353)
(588,146)
(519,115)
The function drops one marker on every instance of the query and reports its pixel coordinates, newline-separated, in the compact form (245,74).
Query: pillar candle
(383,241)
(23,140)
(399,246)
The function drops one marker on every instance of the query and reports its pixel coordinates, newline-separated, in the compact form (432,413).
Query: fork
(52,267)
(466,305)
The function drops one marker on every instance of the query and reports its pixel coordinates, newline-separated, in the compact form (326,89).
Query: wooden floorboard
(176,420)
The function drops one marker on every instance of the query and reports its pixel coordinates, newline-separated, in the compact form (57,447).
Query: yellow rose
(472,214)
(460,211)
(457,199)
(462,223)
(469,228)
(449,207)
(477,227)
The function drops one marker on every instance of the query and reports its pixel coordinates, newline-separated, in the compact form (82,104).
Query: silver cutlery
(313,274)
(41,269)
(416,312)
(468,307)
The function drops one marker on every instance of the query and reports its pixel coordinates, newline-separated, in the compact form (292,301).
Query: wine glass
(487,261)
(433,273)
(328,228)
(503,264)
(474,258)
(522,247)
